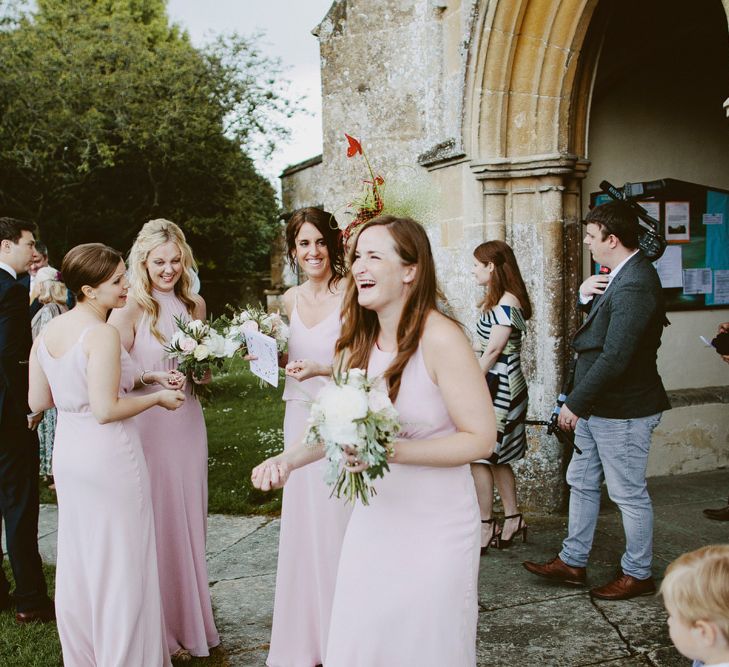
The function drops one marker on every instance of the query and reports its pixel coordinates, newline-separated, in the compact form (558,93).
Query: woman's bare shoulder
(441,330)
(508,299)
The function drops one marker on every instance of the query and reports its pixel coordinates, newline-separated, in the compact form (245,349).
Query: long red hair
(360,327)
(505,278)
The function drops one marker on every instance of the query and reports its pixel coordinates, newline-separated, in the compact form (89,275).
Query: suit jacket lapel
(600,299)
(597,302)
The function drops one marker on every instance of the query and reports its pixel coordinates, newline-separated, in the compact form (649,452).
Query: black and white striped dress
(507,384)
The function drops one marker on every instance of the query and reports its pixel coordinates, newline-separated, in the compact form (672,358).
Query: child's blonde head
(696,586)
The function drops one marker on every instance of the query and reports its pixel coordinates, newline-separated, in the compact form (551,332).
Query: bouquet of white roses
(253,318)
(352,410)
(198,347)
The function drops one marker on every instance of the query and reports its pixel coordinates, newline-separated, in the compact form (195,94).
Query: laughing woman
(312,523)
(406,589)
(175,445)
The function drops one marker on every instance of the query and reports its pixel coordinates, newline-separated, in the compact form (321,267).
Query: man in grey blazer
(615,404)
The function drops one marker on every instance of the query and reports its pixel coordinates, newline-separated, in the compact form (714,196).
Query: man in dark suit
(615,404)
(18,441)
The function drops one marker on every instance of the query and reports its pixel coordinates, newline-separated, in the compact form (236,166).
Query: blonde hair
(696,586)
(48,288)
(152,235)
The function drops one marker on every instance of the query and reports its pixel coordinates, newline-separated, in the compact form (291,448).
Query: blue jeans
(615,450)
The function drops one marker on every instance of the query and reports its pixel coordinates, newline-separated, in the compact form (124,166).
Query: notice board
(694,219)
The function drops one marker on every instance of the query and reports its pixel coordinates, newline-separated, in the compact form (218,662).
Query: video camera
(650,240)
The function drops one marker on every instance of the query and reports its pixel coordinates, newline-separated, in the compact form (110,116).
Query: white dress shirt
(9,269)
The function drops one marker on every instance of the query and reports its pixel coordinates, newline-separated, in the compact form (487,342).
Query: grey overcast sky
(287,25)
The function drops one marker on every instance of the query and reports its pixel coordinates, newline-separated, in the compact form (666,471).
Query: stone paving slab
(224,531)
(563,631)
(667,657)
(252,556)
(243,610)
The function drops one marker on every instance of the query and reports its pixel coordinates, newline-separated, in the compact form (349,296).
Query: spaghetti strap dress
(406,591)
(175,445)
(108,603)
(312,523)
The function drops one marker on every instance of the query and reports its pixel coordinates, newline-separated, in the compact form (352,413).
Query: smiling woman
(175,446)
(312,523)
(406,579)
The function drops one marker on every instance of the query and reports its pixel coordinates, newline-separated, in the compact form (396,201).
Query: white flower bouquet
(198,348)
(253,318)
(354,411)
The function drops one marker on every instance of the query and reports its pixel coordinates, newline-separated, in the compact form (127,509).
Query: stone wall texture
(481,109)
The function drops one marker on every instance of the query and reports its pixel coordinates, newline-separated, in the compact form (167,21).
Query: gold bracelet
(141,379)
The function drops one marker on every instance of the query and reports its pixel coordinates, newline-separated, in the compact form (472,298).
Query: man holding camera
(615,404)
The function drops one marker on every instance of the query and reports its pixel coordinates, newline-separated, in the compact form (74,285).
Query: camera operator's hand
(567,419)
(596,284)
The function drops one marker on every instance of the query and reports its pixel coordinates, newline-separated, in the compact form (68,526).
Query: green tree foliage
(109,117)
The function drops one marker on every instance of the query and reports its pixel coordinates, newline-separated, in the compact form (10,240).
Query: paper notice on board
(670,267)
(652,208)
(263,347)
(697,281)
(677,221)
(721,286)
(712,218)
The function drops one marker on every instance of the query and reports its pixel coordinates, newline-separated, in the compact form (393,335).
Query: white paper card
(670,268)
(263,347)
(713,218)
(652,208)
(721,286)
(697,281)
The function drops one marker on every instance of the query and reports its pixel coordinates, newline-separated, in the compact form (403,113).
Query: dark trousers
(19,465)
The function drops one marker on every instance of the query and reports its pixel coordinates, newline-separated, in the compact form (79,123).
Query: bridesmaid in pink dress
(175,445)
(108,602)
(406,590)
(312,524)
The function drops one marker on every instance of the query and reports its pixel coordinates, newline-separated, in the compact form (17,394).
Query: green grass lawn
(245,425)
(33,644)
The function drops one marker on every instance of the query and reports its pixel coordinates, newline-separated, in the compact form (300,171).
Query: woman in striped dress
(504,311)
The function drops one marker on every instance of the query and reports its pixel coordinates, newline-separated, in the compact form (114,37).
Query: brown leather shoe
(44,615)
(624,587)
(721,514)
(557,570)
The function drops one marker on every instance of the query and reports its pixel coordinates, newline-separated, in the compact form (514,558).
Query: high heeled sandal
(495,536)
(521,529)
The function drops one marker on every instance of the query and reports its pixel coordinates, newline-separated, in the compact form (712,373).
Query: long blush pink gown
(312,523)
(175,445)
(406,591)
(107,586)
